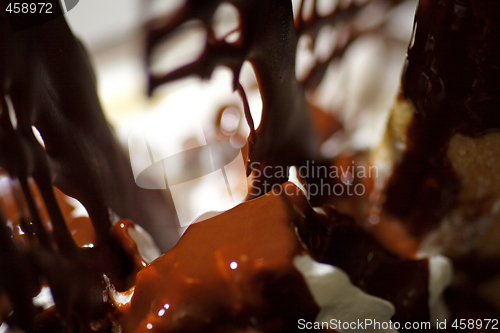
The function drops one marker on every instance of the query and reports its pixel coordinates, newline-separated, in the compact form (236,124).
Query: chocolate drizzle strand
(268,41)
(352,19)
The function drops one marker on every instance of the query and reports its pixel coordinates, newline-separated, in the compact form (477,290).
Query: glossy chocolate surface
(335,239)
(375,270)
(239,276)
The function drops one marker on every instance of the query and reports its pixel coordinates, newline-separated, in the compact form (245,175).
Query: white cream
(339,299)
(145,243)
(440,275)
(44,298)
(115,297)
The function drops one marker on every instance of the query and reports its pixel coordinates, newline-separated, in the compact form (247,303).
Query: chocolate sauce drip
(268,41)
(46,81)
(478,268)
(47,78)
(350,25)
(452,77)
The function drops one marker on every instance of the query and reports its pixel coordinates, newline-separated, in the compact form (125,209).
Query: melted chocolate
(17,263)
(195,288)
(229,273)
(23,263)
(459,300)
(233,271)
(268,41)
(452,77)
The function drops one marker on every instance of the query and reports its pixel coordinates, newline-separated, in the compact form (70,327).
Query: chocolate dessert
(286,259)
